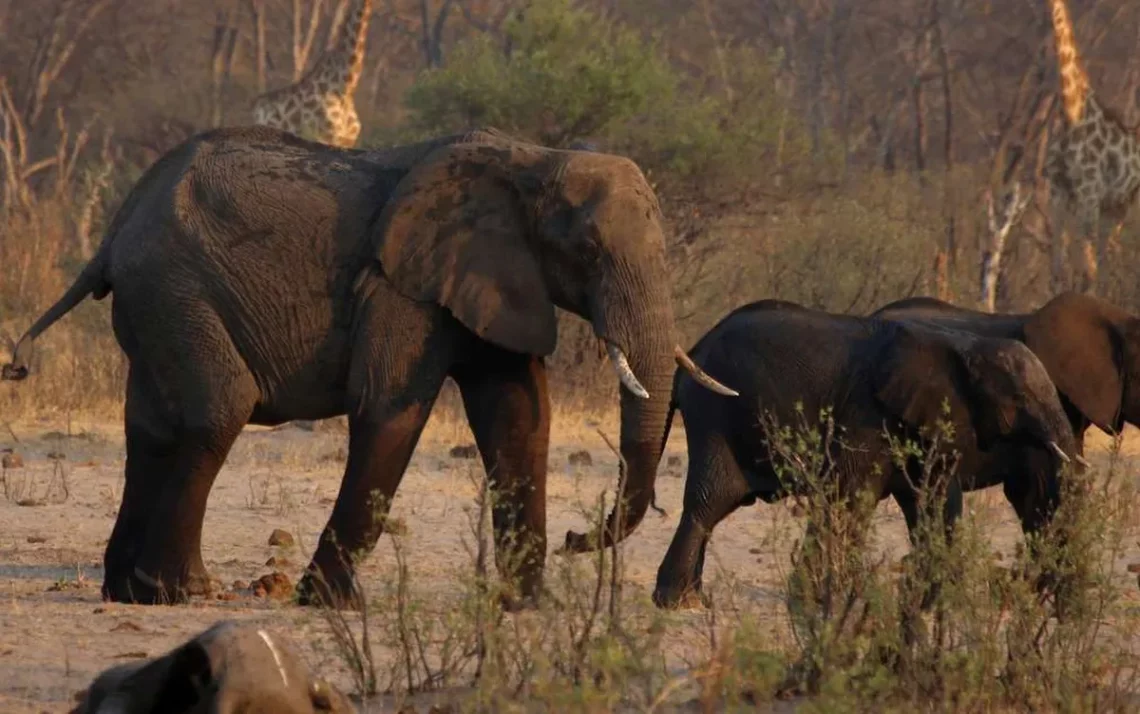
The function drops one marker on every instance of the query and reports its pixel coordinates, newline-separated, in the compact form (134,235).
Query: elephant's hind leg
(508,408)
(151,448)
(208,397)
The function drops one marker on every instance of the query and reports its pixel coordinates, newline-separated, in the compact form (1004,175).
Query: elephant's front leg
(402,354)
(908,501)
(715,486)
(379,449)
(508,407)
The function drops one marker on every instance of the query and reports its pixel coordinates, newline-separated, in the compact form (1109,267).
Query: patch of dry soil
(56,634)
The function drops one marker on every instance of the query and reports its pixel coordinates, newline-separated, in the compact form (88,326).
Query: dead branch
(999,223)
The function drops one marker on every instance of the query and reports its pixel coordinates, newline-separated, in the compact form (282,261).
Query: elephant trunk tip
(17,369)
(13,373)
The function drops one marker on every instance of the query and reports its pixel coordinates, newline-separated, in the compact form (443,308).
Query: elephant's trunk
(635,318)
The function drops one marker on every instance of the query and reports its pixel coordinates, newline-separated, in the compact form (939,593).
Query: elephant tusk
(1082,461)
(1060,453)
(699,375)
(624,373)
(276,656)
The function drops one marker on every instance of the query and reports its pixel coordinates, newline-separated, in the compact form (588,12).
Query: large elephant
(1090,347)
(260,278)
(873,374)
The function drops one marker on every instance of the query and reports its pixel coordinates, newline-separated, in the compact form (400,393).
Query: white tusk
(699,375)
(276,657)
(1064,457)
(624,373)
(1081,460)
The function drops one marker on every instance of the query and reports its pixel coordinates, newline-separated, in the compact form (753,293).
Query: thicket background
(833,152)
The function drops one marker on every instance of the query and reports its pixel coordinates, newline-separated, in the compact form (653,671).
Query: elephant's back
(778,354)
(261,233)
(1006,326)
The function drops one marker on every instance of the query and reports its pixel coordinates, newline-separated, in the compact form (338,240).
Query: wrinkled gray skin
(875,375)
(1090,347)
(259,278)
(231,668)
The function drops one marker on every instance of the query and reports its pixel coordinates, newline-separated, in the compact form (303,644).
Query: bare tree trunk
(303,42)
(53,51)
(432,39)
(221,64)
(949,202)
(259,50)
(1000,223)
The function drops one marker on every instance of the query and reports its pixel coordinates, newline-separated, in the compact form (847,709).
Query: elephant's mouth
(629,380)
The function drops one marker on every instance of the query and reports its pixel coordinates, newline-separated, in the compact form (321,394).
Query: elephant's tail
(92,281)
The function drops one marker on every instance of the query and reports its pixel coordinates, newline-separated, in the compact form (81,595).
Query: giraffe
(1093,162)
(319,106)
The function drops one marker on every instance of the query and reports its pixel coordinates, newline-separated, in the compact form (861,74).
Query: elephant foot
(140,588)
(336,591)
(688,599)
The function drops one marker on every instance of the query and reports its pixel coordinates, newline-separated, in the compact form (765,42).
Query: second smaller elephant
(231,668)
(873,374)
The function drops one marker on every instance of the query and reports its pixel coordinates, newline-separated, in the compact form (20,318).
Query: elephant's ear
(458,232)
(1080,348)
(176,682)
(924,379)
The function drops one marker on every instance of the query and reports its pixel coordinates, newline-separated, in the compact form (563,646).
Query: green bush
(564,73)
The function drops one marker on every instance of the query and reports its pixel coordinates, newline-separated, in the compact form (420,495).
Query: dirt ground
(56,634)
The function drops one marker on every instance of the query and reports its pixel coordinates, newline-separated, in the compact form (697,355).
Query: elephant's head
(230,668)
(501,232)
(1092,350)
(991,390)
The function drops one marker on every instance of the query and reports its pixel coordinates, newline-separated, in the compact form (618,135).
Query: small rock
(275,586)
(467,451)
(126,626)
(580,458)
(755,551)
(1134,567)
(30,502)
(99,610)
(12,460)
(278,562)
(673,462)
(37,539)
(56,455)
(281,538)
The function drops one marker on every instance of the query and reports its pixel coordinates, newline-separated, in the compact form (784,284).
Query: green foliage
(565,73)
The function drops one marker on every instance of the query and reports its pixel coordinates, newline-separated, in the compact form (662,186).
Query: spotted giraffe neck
(1075,88)
(339,69)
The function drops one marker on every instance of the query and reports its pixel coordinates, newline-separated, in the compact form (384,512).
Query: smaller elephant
(873,374)
(230,668)
(1090,347)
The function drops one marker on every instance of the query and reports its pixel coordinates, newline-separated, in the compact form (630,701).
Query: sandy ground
(56,634)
